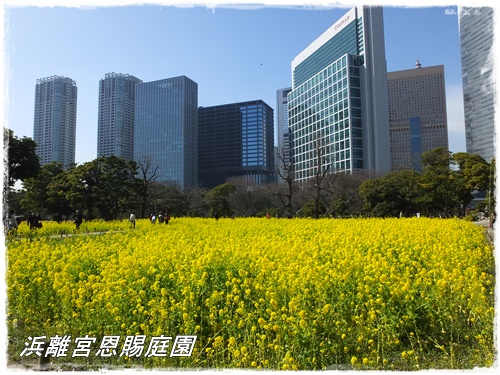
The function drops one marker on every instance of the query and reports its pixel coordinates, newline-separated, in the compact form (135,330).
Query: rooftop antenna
(417,64)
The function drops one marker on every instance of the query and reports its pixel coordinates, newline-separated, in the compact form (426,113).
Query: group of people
(33,220)
(162,217)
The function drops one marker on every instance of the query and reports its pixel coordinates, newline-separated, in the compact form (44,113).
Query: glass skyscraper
(115,124)
(417,114)
(338,105)
(476,44)
(166,129)
(54,128)
(236,140)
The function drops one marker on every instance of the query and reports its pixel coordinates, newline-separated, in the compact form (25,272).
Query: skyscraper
(115,124)
(282,127)
(417,114)
(236,140)
(54,128)
(338,105)
(166,129)
(476,44)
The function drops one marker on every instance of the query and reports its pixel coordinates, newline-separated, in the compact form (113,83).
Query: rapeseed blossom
(270,294)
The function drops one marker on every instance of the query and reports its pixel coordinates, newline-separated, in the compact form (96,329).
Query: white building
(338,105)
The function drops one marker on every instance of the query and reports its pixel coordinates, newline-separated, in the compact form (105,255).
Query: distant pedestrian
(34,221)
(167,217)
(12,221)
(216,215)
(78,219)
(132,220)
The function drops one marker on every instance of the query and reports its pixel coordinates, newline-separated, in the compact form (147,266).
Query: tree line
(110,188)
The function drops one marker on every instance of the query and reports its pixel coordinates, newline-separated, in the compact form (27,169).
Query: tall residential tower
(166,129)
(338,108)
(54,128)
(115,125)
(476,44)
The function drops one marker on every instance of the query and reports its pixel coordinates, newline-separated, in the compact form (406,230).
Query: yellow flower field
(401,294)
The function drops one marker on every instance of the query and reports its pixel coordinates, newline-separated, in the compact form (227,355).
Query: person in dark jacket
(34,220)
(78,219)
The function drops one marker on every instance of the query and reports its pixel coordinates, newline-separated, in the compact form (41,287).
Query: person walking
(78,219)
(34,221)
(132,220)
(167,217)
(12,221)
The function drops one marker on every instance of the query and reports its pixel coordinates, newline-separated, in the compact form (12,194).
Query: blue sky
(234,52)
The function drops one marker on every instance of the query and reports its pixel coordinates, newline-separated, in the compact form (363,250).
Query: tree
(248,199)
(106,184)
(197,205)
(168,198)
(474,169)
(147,175)
(344,193)
(322,169)
(391,194)
(285,172)
(23,162)
(38,195)
(442,188)
(217,200)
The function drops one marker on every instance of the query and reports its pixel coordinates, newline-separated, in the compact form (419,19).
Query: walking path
(489,230)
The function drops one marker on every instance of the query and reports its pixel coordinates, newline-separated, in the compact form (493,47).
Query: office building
(54,128)
(282,130)
(236,140)
(338,105)
(476,44)
(166,129)
(417,114)
(115,124)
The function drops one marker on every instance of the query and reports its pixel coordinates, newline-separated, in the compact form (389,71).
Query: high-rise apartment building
(476,44)
(282,129)
(417,114)
(166,129)
(115,124)
(338,106)
(54,128)
(236,140)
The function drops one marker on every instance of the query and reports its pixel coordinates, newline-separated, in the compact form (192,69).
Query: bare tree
(319,182)
(285,172)
(148,175)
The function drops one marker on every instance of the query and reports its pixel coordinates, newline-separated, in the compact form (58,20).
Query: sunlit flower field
(298,294)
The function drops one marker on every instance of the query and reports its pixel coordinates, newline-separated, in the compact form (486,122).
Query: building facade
(166,129)
(338,107)
(236,140)
(476,44)
(417,114)
(54,128)
(283,141)
(115,124)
